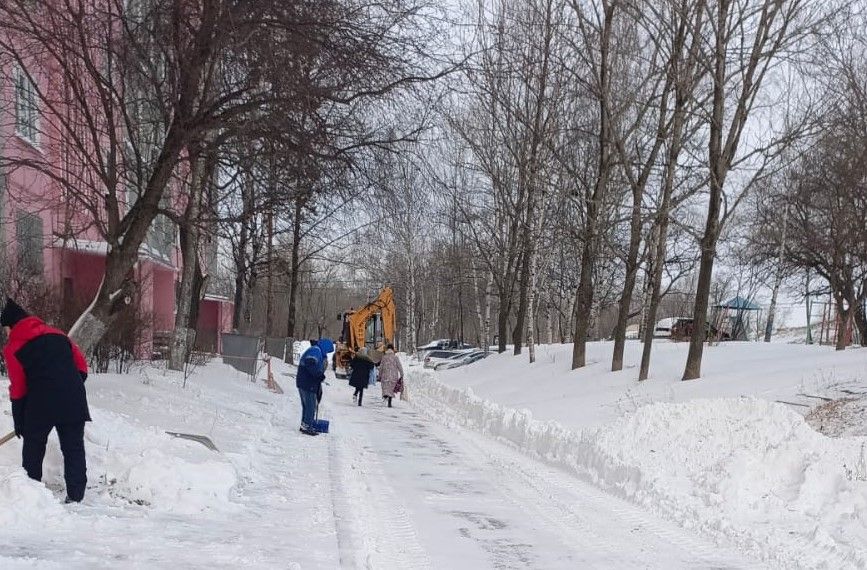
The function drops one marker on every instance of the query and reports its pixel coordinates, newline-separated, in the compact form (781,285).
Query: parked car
(438,344)
(461,360)
(682,330)
(445,344)
(434,357)
(663,327)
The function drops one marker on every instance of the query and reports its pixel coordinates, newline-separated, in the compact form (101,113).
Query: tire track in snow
(373,527)
(573,497)
(588,514)
(341,507)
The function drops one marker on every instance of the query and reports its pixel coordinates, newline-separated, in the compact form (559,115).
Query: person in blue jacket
(311,373)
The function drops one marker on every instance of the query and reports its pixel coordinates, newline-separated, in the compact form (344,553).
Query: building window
(28,234)
(26,107)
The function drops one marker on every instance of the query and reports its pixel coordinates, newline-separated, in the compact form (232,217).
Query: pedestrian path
(411,494)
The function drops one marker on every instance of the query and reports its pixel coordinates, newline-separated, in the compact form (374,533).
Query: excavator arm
(357,321)
(356,324)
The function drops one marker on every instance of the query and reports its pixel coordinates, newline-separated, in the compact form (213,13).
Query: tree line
(520,171)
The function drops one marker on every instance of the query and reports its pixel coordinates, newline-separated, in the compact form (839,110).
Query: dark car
(682,330)
(461,360)
(434,357)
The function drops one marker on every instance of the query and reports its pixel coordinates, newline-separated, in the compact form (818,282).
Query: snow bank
(144,465)
(26,502)
(745,470)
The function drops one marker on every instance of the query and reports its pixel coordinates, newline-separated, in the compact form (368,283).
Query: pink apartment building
(38,225)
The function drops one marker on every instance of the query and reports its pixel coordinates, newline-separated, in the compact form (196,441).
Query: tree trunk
(117,287)
(247,320)
(702,293)
(531,312)
(269,256)
(523,290)
(478,302)
(549,324)
(718,170)
(860,315)
(660,236)
(584,293)
(629,283)
(199,282)
(861,322)
(294,267)
(242,270)
(182,334)
(582,306)
(503,321)
(486,325)
(809,306)
(843,314)
(778,279)
(411,309)
(655,285)
(238,299)
(570,326)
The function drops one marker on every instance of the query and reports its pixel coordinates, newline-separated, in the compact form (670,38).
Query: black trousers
(359,392)
(71,444)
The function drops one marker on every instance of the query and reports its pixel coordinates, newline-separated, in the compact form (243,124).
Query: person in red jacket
(46,385)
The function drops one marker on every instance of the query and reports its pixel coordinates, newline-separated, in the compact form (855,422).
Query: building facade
(52,252)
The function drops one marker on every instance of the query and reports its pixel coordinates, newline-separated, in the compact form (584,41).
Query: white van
(663,327)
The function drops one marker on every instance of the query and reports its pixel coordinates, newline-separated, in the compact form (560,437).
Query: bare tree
(122,66)
(748,40)
(684,28)
(596,29)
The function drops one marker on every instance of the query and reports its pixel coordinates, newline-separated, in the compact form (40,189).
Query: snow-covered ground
(730,455)
(387,488)
(496,465)
(158,502)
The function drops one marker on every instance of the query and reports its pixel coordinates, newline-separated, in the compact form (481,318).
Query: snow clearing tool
(204,440)
(7,437)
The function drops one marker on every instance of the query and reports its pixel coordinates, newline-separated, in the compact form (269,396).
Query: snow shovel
(204,440)
(7,437)
(319,425)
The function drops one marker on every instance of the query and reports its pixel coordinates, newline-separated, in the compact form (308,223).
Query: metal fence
(241,352)
(276,347)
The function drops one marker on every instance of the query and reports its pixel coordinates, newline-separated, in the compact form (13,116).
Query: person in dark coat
(308,380)
(47,372)
(360,377)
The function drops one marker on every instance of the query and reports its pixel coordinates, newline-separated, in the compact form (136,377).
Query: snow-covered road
(409,493)
(386,489)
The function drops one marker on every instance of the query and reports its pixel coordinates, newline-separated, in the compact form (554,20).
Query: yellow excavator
(373,325)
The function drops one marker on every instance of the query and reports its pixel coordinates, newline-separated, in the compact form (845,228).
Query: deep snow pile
(594,395)
(126,461)
(742,469)
(155,501)
(146,466)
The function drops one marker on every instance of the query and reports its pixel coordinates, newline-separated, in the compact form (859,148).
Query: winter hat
(12,313)
(325,345)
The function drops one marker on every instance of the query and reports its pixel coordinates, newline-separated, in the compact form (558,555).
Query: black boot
(389,401)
